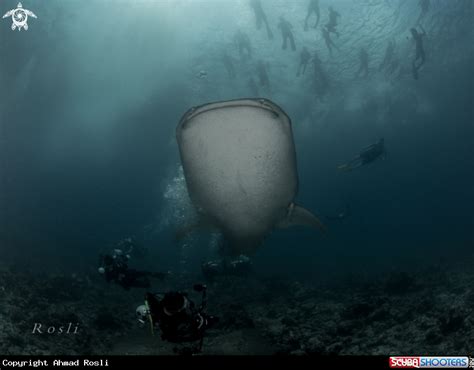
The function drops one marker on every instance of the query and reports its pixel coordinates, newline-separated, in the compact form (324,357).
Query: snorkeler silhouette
(305,57)
(332,24)
(425,7)
(363,63)
(286,33)
(261,17)
(263,75)
(243,44)
(389,56)
(420,56)
(327,39)
(313,7)
(320,78)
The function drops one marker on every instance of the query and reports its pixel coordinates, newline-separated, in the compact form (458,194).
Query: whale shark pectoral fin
(300,216)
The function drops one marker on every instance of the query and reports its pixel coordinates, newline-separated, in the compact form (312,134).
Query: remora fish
(239,162)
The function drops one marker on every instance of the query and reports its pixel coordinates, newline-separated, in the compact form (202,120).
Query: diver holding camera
(178,318)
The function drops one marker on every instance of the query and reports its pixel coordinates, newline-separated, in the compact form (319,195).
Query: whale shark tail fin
(300,216)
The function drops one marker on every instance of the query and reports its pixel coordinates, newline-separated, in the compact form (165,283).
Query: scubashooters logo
(19,17)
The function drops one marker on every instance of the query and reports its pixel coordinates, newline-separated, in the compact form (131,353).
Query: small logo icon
(19,17)
(426,362)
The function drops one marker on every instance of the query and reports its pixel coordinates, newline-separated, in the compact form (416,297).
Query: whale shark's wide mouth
(242,103)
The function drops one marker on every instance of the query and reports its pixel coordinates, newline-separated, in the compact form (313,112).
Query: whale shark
(239,163)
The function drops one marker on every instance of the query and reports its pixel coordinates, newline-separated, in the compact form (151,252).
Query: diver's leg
(292,40)
(269,31)
(329,47)
(422,60)
(284,43)
(318,17)
(308,14)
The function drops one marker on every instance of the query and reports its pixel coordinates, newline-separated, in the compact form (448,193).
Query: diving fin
(300,216)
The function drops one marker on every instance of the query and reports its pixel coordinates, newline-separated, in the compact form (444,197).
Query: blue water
(91,94)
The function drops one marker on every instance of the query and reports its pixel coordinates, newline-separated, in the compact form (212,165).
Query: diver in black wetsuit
(305,57)
(332,24)
(368,155)
(313,7)
(261,17)
(177,318)
(115,269)
(389,56)
(243,44)
(327,39)
(321,80)
(286,33)
(364,63)
(420,51)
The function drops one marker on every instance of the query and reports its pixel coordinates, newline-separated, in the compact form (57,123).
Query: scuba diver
(261,17)
(425,8)
(321,80)
(420,51)
(389,56)
(366,156)
(243,43)
(177,318)
(327,39)
(229,65)
(364,63)
(115,268)
(332,24)
(286,33)
(242,266)
(313,7)
(305,57)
